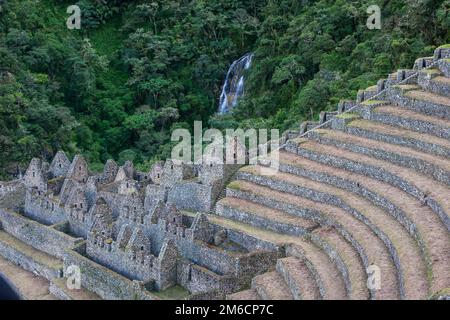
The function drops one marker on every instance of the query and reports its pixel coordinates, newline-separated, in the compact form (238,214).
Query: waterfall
(233,87)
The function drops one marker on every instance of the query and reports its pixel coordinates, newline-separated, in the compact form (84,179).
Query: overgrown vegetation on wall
(138,69)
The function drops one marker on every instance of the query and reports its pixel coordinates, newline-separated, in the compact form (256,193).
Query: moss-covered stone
(234,185)
(431,71)
(441,293)
(406,87)
(348,115)
(173,293)
(372,102)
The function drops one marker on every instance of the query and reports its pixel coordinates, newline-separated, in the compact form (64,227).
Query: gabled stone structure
(128,168)
(78,169)
(175,171)
(109,172)
(59,166)
(35,176)
(132,209)
(214,171)
(134,233)
(156,172)
(128,187)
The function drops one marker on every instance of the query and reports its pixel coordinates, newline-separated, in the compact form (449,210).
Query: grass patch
(173,293)
(107,37)
(249,169)
(108,41)
(299,140)
(406,87)
(372,102)
(443,292)
(371,88)
(431,71)
(358,123)
(235,185)
(348,115)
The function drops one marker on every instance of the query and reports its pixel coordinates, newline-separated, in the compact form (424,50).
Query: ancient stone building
(35,176)
(364,190)
(60,165)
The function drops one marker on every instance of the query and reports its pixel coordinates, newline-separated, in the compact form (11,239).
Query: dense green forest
(136,70)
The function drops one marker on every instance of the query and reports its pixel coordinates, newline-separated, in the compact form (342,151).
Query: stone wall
(123,263)
(10,186)
(35,176)
(27,261)
(68,210)
(43,208)
(104,282)
(41,237)
(251,243)
(227,263)
(192,196)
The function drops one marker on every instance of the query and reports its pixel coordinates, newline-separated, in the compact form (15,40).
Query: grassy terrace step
(29,285)
(428,97)
(430,165)
(271,286)
(357,272)
(404,118)
(397,238)
(439,85)
(59,288)
(424,102)
(373,249)
(282,222)
(351,252)
(331,284)
(29,258)
(427,193)
(262,216)
(409,138)
(249,294)
(299,278)
(426,189)
(383,194)
(442,80)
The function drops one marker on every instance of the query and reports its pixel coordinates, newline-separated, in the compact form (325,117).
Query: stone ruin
(142,226)
(364,190)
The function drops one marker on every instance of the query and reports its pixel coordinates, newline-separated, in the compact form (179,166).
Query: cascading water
(233,87)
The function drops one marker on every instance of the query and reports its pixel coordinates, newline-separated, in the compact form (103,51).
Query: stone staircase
(365,188)
(223,193)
